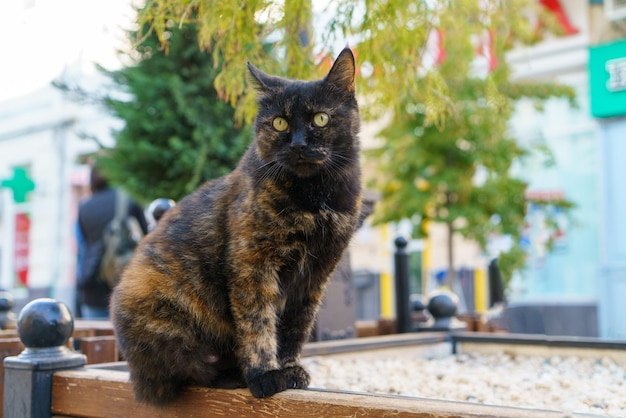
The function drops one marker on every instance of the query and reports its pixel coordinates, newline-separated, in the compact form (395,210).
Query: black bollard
(403,312)
(44,326)
(6,304)
(159,206)
(496,284)
(442,306)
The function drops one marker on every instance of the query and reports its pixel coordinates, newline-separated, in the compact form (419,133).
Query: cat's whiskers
(337,170)
(345,157)
(266,164)
(273,172)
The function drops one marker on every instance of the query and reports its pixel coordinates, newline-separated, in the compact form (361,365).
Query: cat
(224,291)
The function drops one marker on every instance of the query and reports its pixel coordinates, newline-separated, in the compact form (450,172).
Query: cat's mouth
(305,167)
(307,162)
(303,163)
(312,161)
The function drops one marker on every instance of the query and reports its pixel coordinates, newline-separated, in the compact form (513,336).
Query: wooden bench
(97,392)
(55,381)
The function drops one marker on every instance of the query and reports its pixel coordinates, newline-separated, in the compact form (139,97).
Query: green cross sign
(20,183)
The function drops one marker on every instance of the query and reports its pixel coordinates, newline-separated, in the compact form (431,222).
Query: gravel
(568,384)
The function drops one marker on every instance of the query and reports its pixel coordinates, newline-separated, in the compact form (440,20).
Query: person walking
(94,214)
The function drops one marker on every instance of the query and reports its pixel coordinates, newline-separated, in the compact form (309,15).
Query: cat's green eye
(280,124)
(320,119)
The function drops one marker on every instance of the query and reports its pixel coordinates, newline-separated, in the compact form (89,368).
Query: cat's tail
(155,391)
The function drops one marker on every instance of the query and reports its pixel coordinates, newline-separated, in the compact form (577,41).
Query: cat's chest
(322,197)
(315,225)
(299,221)
(295,234)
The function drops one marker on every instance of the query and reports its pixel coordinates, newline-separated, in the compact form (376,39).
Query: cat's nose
(297,147)
(298,142)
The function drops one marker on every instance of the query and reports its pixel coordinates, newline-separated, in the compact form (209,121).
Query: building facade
(581,277)
(41,158)
(43,177)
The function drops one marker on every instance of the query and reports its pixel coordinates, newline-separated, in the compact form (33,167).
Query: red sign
(545,195)
(556,8)
(22,230)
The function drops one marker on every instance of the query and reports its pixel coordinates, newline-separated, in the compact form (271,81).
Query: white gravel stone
(569,383)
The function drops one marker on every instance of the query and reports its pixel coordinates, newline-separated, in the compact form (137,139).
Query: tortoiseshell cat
(224,292)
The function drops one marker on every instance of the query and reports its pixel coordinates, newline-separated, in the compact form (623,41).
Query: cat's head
(308,127)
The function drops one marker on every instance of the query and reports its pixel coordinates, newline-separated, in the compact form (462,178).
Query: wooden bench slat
(99,349)
(102,393)
(93,327)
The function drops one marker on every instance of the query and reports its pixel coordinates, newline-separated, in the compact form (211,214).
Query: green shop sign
(607,71)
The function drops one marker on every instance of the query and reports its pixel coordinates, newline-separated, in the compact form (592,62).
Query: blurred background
(498,145)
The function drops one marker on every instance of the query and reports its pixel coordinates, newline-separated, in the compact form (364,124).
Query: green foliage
(456,170)
(234,33)
(511,261)
(177,133)
(390,38)
(445,156)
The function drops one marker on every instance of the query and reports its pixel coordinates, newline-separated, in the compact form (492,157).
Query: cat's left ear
(342,73)
(262,82)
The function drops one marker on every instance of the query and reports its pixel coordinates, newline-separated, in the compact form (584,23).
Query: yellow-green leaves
(402,46)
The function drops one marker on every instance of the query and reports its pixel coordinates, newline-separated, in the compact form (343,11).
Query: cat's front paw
(268,384)
(297,377)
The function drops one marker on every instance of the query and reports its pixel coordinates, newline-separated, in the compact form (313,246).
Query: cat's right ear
(343,71)
(263,83)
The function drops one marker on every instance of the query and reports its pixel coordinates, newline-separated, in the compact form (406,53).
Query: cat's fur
(225,291)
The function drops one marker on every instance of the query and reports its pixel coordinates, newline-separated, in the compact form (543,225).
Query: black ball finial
(6,301)
(6,304)
(159,206)
(416,303)
(45,323)
(443,304)
(401,242)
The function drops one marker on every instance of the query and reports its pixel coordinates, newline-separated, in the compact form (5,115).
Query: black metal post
(401,259)
(496,285)
(6,304)
(159,206)
(44,326)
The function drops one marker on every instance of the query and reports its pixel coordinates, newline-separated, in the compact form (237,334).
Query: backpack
(120,238)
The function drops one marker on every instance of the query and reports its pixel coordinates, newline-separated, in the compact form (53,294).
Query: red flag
(22,246)
(435,53)
(555,7)
(486,48)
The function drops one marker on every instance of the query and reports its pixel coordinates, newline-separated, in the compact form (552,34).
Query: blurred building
(574,289)
(42,158)
(576,270)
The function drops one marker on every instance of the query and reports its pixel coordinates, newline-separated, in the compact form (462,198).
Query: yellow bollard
(480,290)
(426,255)
(386,296)
(387,308)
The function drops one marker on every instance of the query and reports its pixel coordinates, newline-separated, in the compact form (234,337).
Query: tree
(391,38)
(459,172)
(446,155)
(177,133)
(459,175)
